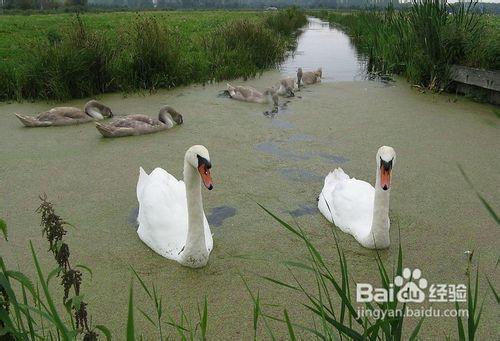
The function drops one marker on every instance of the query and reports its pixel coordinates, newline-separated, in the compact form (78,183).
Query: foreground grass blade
(3,228)
(344,329)
(204,320)
(289,326)
(130,318)
(460,325)
(142,283)
(483,201)
(105,331)
(493,290)
(61,328)
(415,331)
(28,315)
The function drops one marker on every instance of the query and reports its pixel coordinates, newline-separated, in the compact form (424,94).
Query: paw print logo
(411,285)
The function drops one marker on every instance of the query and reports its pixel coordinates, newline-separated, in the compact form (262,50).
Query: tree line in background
(493,8)
(41,4)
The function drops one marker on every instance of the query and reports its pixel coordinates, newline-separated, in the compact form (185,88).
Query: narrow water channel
(328,47)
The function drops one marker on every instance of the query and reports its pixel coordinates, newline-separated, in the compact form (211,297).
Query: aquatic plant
(74,66)
(148,57)
(286,22)
(242,48)
(422,41)
(184,327)
(329,286)
(26,312)
(71,277)
(332,322)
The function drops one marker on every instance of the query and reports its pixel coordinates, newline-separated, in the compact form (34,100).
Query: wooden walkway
(485,79)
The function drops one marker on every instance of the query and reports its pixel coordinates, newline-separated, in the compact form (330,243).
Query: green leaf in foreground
(130,319)
(53,311)
(493,290)
(3,228)
(105,331)
(289,326)
(486,205)
(415,332)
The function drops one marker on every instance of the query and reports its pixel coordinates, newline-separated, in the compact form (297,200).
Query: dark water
(215,218)
(277,150)
(132,217)
(219,214)
(323,46)
(304,209)
(299,174)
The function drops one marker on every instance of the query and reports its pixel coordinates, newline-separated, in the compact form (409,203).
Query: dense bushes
(147,54)
(423,41)
(74,64)
(244,48)
(287,21)
(149,58)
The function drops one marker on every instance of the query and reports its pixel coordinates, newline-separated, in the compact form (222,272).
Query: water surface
(328,47)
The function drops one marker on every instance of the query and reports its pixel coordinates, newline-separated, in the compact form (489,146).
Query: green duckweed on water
(92,182)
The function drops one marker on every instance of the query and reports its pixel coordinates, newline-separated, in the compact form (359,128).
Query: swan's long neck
(379,233)
(195,241)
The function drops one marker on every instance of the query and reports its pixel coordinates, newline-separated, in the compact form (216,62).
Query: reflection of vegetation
(149,53)
(423,41)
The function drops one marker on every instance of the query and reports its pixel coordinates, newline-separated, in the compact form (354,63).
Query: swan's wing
(353,206)
(347,202)
(325,197)
(162,212)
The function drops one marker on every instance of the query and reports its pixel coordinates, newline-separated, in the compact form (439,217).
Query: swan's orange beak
(205,176)
(385,174)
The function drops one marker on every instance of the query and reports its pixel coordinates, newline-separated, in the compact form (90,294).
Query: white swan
(171,218)
(356,207)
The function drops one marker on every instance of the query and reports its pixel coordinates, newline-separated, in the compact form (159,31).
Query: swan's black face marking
(385,174)
(387,165)
(203,161)
(204,169)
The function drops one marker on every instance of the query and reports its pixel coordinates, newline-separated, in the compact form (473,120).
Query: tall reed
(75,65)
(422,41)
(148,56)
(243,48)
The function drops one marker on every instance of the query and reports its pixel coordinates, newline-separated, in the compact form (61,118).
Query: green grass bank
(67,56)
(424,40)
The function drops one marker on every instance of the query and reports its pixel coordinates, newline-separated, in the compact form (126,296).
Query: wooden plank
(483,78)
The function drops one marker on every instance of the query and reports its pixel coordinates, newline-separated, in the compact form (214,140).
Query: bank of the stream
(85,55)
(423,41)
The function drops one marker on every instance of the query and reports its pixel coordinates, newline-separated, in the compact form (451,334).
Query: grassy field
(19,32)
(66,56)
